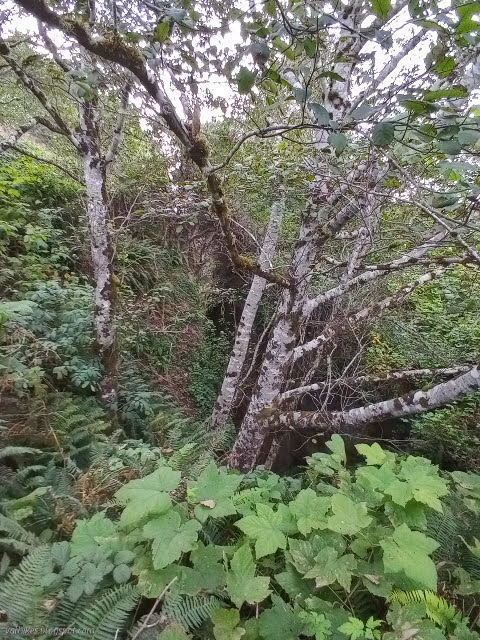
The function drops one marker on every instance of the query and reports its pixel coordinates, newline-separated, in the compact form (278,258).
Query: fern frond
(108,613)
(21,592)
(436,607)
(189,611)
(18,452)
(16,532)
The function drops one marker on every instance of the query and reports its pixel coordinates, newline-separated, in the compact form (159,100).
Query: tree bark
(224,403)
(101,253)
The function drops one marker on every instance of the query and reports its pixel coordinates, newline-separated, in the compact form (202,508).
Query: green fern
(190,611)
(108,613)
(437,608)
(15,531)
(21,592)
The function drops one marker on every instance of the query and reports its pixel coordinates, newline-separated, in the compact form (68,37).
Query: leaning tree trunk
(226,397)
(101,254)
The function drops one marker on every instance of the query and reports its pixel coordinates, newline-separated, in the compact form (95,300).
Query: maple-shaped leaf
(215,487)
(427,485)
(407,552)
(268,528)
(242,584)
(226,623)
(309,511)
(302,553)
(173,631)
(170,537)
(147,496)
(294,585)
(89,534)
(208,574)
(152,582)
(348,517)
(374,454)
(375,478)
(279,622)
(330,568)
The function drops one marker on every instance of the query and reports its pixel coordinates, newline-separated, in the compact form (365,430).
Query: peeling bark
(224,403)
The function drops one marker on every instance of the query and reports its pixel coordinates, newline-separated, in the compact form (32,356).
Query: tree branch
(392,376)
(406,405)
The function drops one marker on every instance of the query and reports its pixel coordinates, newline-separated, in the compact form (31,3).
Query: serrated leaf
(374,454)
(148,495)
(381,8)
(89,534)
(383,134)
(309,511)
(226,623)
(408,552)
(215,485)
(279,622)
(173,631)
(207,573)
(245,80)
(348,517)
(293,584)
(242,584)
(330,568)
(268,528)
(170,537)
(445,66)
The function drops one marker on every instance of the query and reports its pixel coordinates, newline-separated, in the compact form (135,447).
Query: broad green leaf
(310,47)
(330,568)
(170,537)
(321,114)
(383,134)
(151,582)
(465,12)
(338,141)
(468,137)
(445,66)
(303,552)
(293,584)
(268,528)
(309,511)
(173,631)
(225,624)
(121,573)
(208,574)
(427,486)
(374,454)
(215,486)
(381,8)
(363,111)
(161,32)
(375,478)
(450,92)
(279,622)
(441,200)
(348,517)
(148,495)
(408,552)
(337,447)
(242,584)
(89,534)
(245,80)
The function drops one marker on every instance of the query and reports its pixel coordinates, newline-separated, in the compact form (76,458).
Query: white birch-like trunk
(227,394)
(101,254)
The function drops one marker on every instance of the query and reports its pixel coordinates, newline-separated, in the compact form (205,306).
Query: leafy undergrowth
(388,549)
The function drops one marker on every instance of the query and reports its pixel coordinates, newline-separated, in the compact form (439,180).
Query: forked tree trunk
(101,252)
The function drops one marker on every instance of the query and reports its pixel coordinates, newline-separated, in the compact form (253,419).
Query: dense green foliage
(335,553)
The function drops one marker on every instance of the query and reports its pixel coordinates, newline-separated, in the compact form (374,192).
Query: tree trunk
(224,403)
(101,253)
